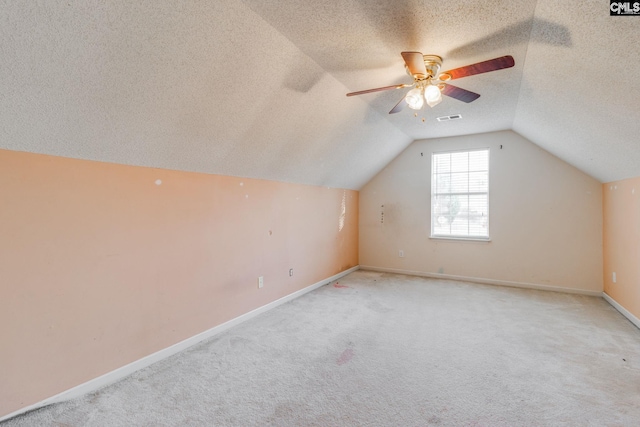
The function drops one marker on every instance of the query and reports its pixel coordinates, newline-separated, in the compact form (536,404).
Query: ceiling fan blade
(415,63)
(459,93)
(480,67)
(399,106)
(378,89)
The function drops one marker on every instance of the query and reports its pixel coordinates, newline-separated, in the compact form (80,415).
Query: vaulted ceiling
(257,89)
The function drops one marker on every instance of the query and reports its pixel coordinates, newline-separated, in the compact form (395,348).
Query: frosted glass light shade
(433,95)
(414,99)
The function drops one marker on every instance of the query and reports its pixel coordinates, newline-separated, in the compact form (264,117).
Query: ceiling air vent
(447,118)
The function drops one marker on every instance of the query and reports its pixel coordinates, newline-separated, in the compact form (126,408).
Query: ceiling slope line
(524,64)
(329,73)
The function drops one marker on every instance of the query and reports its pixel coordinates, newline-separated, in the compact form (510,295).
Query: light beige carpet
(390,350)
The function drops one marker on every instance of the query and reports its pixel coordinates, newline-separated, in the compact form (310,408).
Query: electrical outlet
(260,281)
(614,277)
(401,254)
(290,272)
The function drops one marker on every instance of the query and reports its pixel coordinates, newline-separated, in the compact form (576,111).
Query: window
(460,194)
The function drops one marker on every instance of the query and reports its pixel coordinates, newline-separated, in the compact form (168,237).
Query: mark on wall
(158,181)
(343,211)
(390,214)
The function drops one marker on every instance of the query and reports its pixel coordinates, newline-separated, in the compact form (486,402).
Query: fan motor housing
(432,63)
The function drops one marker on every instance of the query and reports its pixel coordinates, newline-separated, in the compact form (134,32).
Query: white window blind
(460,194)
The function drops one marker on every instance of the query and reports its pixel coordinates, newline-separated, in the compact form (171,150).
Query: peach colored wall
(545,218)
(100,266)
(622,242)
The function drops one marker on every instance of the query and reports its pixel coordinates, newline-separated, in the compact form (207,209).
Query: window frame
(432,235)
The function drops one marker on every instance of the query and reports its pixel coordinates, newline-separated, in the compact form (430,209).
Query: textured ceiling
(257,89)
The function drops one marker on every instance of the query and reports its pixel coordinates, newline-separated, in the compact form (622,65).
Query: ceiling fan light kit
(429,83)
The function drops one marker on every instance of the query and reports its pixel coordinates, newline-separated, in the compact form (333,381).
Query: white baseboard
(113,376)
(483,281)
(626,313)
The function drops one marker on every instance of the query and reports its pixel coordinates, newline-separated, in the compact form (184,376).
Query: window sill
(463,239)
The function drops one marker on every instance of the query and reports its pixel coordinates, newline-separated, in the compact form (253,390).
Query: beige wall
(545,217)
(100,266)
(622,242)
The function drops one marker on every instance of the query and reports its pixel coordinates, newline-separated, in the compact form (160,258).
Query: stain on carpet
(345,357)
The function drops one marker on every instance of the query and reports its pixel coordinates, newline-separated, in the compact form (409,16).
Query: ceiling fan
(429,83)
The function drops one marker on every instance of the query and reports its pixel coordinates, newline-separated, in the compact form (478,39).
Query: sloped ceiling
(257,89)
